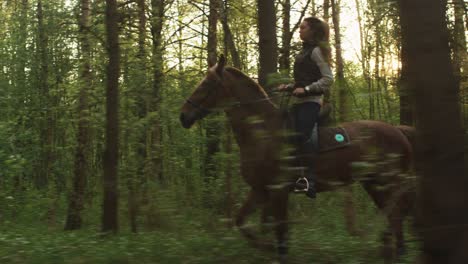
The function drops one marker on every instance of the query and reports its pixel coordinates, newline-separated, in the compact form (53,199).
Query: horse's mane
(247,81)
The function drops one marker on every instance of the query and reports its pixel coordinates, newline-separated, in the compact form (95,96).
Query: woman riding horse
(312,79)
(258,129)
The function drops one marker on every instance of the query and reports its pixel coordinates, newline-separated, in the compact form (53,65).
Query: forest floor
(318,235)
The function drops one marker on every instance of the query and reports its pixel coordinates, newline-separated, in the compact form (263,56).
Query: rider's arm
(324,83)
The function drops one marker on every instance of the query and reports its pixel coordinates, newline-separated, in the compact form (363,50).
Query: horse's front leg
(280,212)
(248,208)
(266,218)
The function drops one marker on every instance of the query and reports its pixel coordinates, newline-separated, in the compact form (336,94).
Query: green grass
(195,235)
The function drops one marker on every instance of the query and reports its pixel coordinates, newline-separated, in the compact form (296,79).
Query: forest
(95,166)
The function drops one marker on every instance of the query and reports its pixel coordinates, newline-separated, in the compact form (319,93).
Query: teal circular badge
(339,137)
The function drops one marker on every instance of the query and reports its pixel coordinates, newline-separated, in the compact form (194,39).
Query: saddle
(329,138)
(324,137)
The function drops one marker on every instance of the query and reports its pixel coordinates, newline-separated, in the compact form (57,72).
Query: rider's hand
(284,87)
(299,91)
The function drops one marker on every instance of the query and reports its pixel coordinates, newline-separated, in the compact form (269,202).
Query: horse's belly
(335,168)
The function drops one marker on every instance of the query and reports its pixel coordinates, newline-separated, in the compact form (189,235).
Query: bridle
(203,111)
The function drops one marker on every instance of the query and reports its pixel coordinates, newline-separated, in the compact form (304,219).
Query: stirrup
(301,181)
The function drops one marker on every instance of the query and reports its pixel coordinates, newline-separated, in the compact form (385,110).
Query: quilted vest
(306,71)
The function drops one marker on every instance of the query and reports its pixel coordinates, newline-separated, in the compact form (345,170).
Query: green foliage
(276,79)
(182,214)
(187,234)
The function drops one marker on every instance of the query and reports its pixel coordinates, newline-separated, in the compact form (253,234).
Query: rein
(205,111)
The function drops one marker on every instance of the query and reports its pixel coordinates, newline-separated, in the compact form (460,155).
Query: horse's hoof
(401,251)
(283,258)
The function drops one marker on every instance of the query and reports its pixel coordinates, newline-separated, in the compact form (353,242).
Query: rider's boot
(311,192)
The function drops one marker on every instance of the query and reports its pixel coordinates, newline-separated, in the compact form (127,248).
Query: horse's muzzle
(187,120)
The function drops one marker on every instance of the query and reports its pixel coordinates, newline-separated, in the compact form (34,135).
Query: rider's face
(305,32)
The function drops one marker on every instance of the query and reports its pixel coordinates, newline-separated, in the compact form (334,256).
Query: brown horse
(258,128)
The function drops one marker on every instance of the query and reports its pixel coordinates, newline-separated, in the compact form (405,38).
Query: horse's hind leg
(391,206)
(396,223)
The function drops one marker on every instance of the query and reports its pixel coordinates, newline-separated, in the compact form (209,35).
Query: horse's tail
(409,132)
(409,197)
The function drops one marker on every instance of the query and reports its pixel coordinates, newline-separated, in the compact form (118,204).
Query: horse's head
(207,96)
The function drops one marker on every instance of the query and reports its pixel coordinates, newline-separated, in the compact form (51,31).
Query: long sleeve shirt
(323,84)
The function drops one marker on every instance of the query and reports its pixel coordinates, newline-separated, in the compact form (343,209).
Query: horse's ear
(220,66)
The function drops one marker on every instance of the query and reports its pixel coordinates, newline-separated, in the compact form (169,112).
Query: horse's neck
(248,122)
(254,112)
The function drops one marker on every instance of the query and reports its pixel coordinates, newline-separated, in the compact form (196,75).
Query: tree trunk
(326,10)
(111,152)
(136,181)
(459,45)
(314,9)
(47,122)
(213,126)
(22,49)
(365,57)
(406,106)
(287,34)
(154,135)
(228,38)
(441,143)
(212,33)
(19,80)
(367,77)
(229,45)
(377,77)
(460,56)
(285,52)
(343,110)
(340,80)
(81,166)
(267,40)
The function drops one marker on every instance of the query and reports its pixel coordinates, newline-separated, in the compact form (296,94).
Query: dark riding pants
(305,117)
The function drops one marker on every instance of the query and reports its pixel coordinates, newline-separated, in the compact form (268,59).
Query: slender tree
(154,150)
(267,40)
(228,37)
(47,122)
(460,55)
(111,152)
(406,107)
(343,109)
(154,134)
(340,78)
(285,51)
(366,50)
(136,177)
(212,32)
(287,33)
(326,10)
(213,126)
(377,59)
(21,46)
(19,79)
(229,48)
(82,155)
(459,39)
